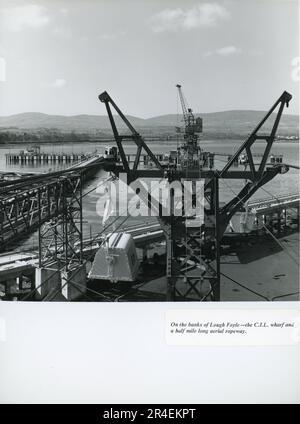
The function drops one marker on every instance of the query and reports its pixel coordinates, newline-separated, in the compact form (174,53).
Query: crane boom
(183,104)
(192,125)
(189,150)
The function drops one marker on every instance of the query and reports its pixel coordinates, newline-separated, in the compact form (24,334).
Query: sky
(57,56)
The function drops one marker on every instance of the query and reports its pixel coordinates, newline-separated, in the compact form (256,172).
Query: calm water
(281,184)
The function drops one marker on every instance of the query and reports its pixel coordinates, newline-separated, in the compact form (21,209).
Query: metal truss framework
(60,239)
(54,206)
(29,201)
(22,210)
(193,255)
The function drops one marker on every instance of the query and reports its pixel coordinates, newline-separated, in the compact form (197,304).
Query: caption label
(233,327)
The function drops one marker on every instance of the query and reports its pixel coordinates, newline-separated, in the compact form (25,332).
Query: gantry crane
(189,152)
(192,125)
(193,252)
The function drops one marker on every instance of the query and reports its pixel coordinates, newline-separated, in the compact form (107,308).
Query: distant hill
(232,122)
(34,120)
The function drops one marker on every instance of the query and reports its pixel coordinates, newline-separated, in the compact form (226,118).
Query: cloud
(224,51)
(107,36)
(23,17)
(201,16)
(256,52)
(64,11)
(58,83)
(62,32)
(112,36)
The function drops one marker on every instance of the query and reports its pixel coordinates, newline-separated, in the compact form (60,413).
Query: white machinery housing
(116,259)
(245,222)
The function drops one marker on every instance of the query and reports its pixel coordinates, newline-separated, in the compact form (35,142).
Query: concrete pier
(52,283)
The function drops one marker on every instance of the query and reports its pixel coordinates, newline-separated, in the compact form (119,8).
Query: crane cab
(198,126)
(111,152)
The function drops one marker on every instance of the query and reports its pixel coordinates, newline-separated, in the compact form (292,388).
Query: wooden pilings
(27,158)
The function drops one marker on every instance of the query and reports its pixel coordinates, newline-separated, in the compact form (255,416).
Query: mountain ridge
(233,121)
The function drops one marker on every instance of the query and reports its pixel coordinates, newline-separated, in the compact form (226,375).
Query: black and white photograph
(149,151)
(149,210)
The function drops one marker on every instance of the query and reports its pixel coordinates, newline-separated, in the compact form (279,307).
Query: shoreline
(112,140)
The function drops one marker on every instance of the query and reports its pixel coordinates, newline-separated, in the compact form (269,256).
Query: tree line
(44,136)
